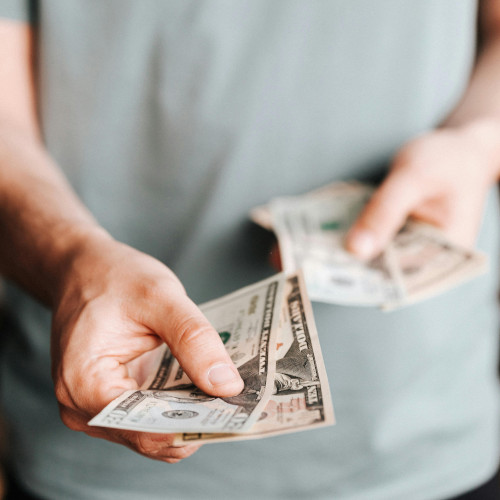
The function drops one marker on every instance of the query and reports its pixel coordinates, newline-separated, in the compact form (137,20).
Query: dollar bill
(419,263)
(168,402)
(311,231)
(429,264)
(263,216)
(301,397)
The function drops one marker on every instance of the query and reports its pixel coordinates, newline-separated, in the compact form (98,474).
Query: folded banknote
(417,264)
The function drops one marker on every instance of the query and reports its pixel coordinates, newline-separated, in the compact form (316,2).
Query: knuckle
(159,448)
(142,446)
(62,394)
(175,455)
(150,289)
(66,418)
(191,333)
(183,452)
(404,156)
(413,151)
(70,421)
(160,288)
(151,447)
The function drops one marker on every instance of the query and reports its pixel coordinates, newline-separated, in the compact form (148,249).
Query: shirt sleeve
(19,10)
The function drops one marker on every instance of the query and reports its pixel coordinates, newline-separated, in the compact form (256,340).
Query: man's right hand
(113,307)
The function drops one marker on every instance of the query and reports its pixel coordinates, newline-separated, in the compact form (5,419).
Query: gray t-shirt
(172,119)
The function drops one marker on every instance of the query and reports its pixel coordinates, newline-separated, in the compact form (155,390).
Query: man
(171,120)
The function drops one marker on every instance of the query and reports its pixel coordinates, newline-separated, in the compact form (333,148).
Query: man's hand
(441,178)
(115,306)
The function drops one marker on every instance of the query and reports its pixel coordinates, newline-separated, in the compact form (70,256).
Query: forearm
(42,222)
(481,100)
(478,112)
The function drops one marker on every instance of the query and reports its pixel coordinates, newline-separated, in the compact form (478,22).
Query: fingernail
(362,243)
(222,374)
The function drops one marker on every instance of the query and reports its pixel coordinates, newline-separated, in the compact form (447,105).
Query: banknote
(301,397)
(417,264)
(311,231)
(247,322)
(429,264)
(263,217)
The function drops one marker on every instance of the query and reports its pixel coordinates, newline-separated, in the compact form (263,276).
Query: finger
(197,346)
(157,446)
(152,445)
(384,215)
(93,387)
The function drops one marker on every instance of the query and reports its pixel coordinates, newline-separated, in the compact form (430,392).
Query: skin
(443,176)
(113,304)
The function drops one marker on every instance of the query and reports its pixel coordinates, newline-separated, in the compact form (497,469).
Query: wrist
(81,243)
(483,135)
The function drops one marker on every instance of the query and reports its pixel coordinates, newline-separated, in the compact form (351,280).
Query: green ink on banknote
(333,225)
(225,336)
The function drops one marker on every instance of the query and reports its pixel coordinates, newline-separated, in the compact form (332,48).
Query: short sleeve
(19,10)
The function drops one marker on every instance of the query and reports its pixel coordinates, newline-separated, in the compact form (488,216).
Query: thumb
(197,346)
(383,215)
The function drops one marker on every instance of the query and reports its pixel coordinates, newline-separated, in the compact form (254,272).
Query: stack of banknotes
(417,264)
(269,331)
